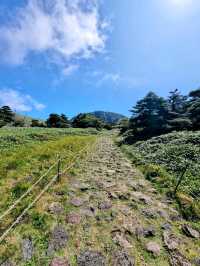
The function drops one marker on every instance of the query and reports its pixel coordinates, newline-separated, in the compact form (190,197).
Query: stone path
(113,216)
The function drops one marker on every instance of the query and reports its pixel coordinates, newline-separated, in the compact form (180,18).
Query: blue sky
(85,55)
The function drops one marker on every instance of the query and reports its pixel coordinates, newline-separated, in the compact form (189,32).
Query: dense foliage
(87,121)
(154,115)
(58,121)
(6,115)
(165,158)
(108,117)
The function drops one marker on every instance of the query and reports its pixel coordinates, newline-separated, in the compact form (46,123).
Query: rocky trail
(115,217)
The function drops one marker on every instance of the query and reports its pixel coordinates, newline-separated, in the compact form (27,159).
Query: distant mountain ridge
(108,117)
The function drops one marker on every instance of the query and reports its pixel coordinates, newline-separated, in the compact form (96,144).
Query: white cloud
(99,78)
(109,77)
(18,101)
(60,28)
(67,71)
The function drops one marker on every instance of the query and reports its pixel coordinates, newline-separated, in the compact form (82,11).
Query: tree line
(154,115)
(82,120)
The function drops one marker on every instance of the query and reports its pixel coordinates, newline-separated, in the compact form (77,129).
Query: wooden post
(58,170)
(181,179)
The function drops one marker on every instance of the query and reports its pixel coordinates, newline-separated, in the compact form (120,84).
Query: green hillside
(108,117)
(165,159)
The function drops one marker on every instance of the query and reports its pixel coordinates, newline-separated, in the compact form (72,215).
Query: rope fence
(50,183)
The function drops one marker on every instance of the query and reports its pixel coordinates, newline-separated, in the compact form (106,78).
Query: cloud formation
(60,28)
(67,71)
(18,101)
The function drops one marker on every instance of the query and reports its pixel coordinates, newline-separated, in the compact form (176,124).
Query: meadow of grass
(164,159)
(25,155)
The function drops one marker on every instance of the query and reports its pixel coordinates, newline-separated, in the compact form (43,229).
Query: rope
(4,235)
(27,209)
(26,193)
(31,188)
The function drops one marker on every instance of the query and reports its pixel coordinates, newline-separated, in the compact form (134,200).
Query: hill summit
(108,117)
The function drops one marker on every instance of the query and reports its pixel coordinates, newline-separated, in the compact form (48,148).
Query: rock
(91,258)
(58,240)
(196,261)
(149,231)
(73,218)
(112,195)
(166,226)
(105,205)
(125,210)
(175,217)
(110,172)
(163,214)
(119,239)
(56,208)
(170,240)
(77,202)
(121,258)
(177,259)
(84,187)
(150,213)
(142,197)
(145,232)
(87,212)
(154,248)
(59,262)
(6,263)
(27,249)
(190,232)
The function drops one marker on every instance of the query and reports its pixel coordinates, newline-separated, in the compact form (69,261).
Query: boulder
(6,263)
(56,208)
(59,262)
(196,261)
(166,226)
(91,258)
(153,248)
(170,240)
(77,202)
(177,259)
(122,258)
(190,232)
(105,205)
(27,249)
(121,240)
(73,218)
(150,213)
(58,240)
(142,197)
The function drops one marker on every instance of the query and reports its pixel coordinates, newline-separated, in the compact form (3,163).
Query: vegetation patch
(165,159)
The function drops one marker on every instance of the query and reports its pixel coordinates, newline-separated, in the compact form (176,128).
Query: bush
(39,220)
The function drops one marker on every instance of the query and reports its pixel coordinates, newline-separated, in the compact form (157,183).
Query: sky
(84,55)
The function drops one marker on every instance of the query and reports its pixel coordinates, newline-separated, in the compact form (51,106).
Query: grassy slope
(164,158)
(25,155)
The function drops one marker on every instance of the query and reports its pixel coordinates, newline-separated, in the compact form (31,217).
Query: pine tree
(177,115)
(194,108)
(149,117)
(65,123)
(6,115)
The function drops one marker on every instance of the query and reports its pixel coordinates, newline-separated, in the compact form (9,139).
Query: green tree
(6,115)
(86,121)
(123,125)
(64,121)
(194,108)
(149,118)
(177,112)
(53,121)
